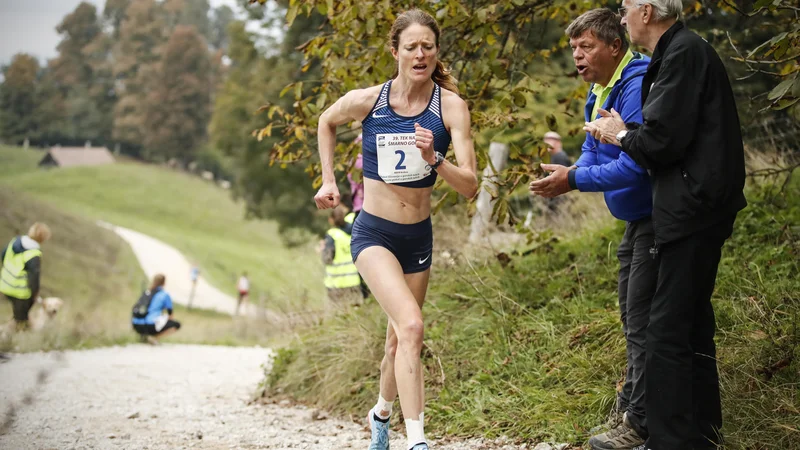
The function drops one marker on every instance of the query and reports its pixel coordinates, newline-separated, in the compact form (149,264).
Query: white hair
(665,9)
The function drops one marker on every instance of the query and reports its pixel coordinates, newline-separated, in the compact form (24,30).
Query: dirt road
(164,397)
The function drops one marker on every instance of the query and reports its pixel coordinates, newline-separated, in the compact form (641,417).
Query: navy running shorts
(411,244)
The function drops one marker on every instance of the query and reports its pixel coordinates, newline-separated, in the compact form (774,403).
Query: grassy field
(198,218)
(98,277)
(532,349)
(18,161)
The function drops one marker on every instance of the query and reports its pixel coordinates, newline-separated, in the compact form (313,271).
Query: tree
(134,58)
(177,103)
(221,18)
(114,14)
(82,74)
(779,55)
(18,99)
(253,80)
(78,29)
(189,12)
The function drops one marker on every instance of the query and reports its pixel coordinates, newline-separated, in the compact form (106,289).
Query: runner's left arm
(462,177)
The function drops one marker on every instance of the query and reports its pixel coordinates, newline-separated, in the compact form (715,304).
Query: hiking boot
(613,420)
(379,431)
(623,437)
(422,446)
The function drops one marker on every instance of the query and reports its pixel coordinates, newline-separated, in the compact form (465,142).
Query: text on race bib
(399,159)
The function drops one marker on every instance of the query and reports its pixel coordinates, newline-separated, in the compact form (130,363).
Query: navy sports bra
(389,147)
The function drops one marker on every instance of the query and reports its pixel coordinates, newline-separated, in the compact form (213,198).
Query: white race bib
(399,159)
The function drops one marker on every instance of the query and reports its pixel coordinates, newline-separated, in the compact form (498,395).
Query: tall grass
(532,348)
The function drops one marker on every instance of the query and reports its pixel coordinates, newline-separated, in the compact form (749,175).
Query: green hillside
(90,268)
(197,217)
(17,161)
(96,274)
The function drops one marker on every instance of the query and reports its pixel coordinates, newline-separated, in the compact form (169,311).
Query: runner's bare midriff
(396,203)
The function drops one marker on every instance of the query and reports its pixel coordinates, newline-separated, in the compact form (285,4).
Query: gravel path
(164,397)
(157,257)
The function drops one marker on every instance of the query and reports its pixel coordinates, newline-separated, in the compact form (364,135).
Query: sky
(30,26)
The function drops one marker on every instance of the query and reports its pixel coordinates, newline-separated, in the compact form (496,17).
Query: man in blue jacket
(602,57)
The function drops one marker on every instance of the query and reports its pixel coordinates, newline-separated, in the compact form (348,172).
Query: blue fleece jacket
(605,167)
(161,301)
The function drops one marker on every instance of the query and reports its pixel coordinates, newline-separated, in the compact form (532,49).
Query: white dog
(42,312)
(48,308)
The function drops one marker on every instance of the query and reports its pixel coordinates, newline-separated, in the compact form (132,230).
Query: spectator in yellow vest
(20,276)
(341,276)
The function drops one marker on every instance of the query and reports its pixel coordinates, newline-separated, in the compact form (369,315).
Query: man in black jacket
(690,142)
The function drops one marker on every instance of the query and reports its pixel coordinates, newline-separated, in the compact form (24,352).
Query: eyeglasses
(622,11)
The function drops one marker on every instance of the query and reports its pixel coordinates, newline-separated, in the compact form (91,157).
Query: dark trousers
(21,307)
(683,401)
(638,273)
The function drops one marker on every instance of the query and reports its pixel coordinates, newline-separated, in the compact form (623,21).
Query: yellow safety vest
(350,217)
(342,272)
(14,278)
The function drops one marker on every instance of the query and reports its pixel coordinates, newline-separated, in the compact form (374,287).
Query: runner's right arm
(355,105)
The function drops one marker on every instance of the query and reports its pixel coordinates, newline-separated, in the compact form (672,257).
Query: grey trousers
(638,274)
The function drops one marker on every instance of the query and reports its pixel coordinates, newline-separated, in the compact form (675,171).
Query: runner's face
(416,52)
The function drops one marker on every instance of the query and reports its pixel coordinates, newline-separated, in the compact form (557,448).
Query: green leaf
(781,89)
(761,4)
(321,100)
(291,14)
(298,90)
(286,89)
(519,99)
(785,103)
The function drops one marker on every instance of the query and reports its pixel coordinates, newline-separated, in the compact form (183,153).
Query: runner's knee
(410,335)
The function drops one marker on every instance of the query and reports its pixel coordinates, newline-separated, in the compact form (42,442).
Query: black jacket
(690,140)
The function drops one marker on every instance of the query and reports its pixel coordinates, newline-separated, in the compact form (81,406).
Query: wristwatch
(621,135)
(439,161)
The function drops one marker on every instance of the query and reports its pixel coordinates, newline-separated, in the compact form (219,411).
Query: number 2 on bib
(400,165)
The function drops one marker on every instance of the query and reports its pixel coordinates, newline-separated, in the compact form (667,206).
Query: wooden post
(498,154)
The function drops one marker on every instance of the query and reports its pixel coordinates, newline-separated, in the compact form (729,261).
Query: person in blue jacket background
(157,324)
(602,56)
